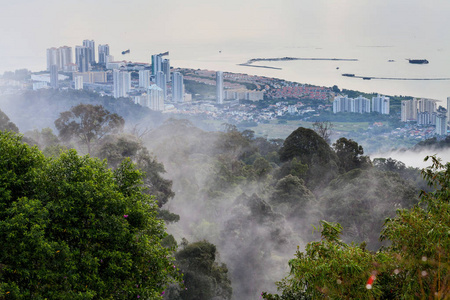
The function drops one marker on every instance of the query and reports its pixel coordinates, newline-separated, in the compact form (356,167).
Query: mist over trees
(244,202)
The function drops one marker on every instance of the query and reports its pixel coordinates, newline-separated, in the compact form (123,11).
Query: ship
(348,75)
(418,61)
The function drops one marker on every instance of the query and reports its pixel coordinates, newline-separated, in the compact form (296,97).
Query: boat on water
(348,75)
(367,78)
(418,61)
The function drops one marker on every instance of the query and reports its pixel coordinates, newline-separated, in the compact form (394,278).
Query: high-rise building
(177,87)
(341,104)
(81,58)
(426,105)
(441,121)
(219,87)
(156,64)
(78,82)
(360,105)
(409,110)
(380,104)
(165,66)
(448,109)
(144,78)
(122,83)
(62,57)
(52,57)
(90,45)
(103,52)
(155,98)
(162,83)
(54,76)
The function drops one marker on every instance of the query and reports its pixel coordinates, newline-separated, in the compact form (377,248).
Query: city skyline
(219,35)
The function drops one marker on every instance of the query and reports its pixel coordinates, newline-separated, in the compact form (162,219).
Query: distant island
(286,58)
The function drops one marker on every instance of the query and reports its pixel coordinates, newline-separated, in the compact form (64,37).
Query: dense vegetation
(245,202)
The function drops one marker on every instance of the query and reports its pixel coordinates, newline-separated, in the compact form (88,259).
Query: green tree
(73,229)
(314,151)
(361,200)
(6,124)
(204,278)
(421,239)
(331,269)
(88,124)
(291,197)
(350,155)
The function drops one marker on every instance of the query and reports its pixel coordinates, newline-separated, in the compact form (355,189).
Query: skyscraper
(122,83)
(90,45)
(65,57)
(61,57)
(409,110)
(156,64)
(219,87)
(448,109)
(155,98)
(81,58)
(380,104)
(78,82)
(103,52)
(144,78)
(177,87)
(162,83)
(52,57)
(54,76)
(165,66)
(441,121)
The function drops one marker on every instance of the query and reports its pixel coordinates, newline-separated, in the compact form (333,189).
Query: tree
(331,269)
(312,150)
(88,124)
(420,238)
(324,129)
(73,229)
(350,155)
(6,124)
(204,278)
(291,197)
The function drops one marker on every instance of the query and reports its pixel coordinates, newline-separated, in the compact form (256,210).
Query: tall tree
(88,124)
(324,129)
(312,150)
(350,155)
(73,229)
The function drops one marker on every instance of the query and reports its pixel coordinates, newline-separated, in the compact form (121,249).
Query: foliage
(88,124)
(6,124)
(72,229)
(334,270)
(350,155)
(360,200)
(291,197)
(204,278)
(116,149)
(312,150)
(420,237)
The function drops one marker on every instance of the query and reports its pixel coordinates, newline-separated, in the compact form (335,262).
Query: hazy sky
(29,27)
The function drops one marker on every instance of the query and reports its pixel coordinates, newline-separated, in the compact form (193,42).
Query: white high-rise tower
(219,87)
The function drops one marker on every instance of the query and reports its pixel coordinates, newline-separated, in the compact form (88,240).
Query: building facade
(380,104)
(177,87)
(155,98)
(219,87)
(122,83)
(90,46)
(103,52)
